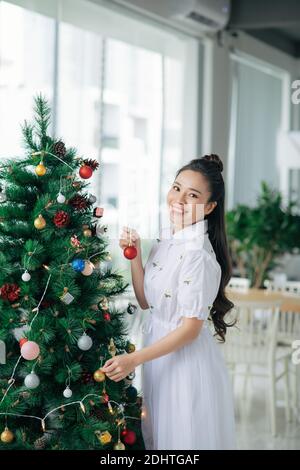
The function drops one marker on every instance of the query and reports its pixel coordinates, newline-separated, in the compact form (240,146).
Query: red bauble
(124,432)
(61,219)
(106,316)
(130,252)
(10,292)
(130,437)
(22,341)
(85,172)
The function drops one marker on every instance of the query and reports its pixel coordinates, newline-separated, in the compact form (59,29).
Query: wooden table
(290,302)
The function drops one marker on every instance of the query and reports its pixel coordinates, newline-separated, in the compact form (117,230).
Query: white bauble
(85,342)
(61,198)
(26,276)
(3,197)
(31,380)
(67,393)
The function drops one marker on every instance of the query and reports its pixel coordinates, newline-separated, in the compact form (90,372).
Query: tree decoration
(130,251)
(30,350)
(88,268)
(85,342)
(98,212)
(131,309)
(7,436)
(31,381)
(3,197)
(88,167)
(92,199)
(119,445)
(40,222)
(130,348)
(26,276)
(10,292)
(104,437)
(61,199)
(40,169)
(66,297)
(99,376)
(67,393)
(59,149)
(22,341)
(61,219)
(129,437)
(87,232)
(79,202)
(78,264)
(106,316)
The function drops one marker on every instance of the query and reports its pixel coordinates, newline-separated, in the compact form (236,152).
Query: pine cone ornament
(79,202)
(10,292)
(61,219)
(40,443)
(87,378)
(92,163)
(59,149)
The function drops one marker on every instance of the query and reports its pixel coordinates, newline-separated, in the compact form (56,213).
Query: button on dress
(187,394)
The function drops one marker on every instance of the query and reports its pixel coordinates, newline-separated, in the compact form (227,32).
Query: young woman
(187,396)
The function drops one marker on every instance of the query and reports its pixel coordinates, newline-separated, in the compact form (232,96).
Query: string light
(78,402)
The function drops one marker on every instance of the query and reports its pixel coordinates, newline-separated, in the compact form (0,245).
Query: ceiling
(275,22)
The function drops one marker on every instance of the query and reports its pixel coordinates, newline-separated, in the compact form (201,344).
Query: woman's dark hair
(211,166)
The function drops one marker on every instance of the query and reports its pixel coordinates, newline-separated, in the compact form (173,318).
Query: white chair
(240,283)
(287,286)
(252,342)
(288,331)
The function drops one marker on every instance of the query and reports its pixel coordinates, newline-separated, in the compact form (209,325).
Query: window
(255,121)
(27,43)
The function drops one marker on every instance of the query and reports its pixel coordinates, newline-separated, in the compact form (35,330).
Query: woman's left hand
(118,367)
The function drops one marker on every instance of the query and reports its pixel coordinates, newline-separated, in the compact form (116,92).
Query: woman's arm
(118,367)
(137,275)
(176,339)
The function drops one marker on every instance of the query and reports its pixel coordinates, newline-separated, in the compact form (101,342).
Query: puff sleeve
(198,285)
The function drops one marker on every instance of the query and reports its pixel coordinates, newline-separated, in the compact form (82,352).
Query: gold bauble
(7,436)
(40,169)
(87,232)
(119,446)
(130,348)
(104,437)
(99,376)
(40,222)
(88,268)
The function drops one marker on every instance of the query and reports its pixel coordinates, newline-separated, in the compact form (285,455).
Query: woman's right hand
(130,235)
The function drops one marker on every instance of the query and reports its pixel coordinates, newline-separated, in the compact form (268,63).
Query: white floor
(252,418)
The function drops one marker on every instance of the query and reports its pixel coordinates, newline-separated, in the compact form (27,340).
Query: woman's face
(188,198)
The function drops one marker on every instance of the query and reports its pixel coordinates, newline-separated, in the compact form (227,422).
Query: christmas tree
(58,321)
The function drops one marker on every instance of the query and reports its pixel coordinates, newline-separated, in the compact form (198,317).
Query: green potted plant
(259,236)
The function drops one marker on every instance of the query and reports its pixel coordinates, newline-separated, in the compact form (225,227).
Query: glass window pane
(27,42)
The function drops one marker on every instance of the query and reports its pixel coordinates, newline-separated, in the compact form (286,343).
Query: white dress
(187,394)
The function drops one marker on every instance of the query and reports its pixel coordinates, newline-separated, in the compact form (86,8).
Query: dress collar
(196,230)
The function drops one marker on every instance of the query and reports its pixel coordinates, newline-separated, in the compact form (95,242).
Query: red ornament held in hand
(130,251)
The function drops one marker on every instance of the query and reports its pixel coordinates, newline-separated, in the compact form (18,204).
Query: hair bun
(213,157)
